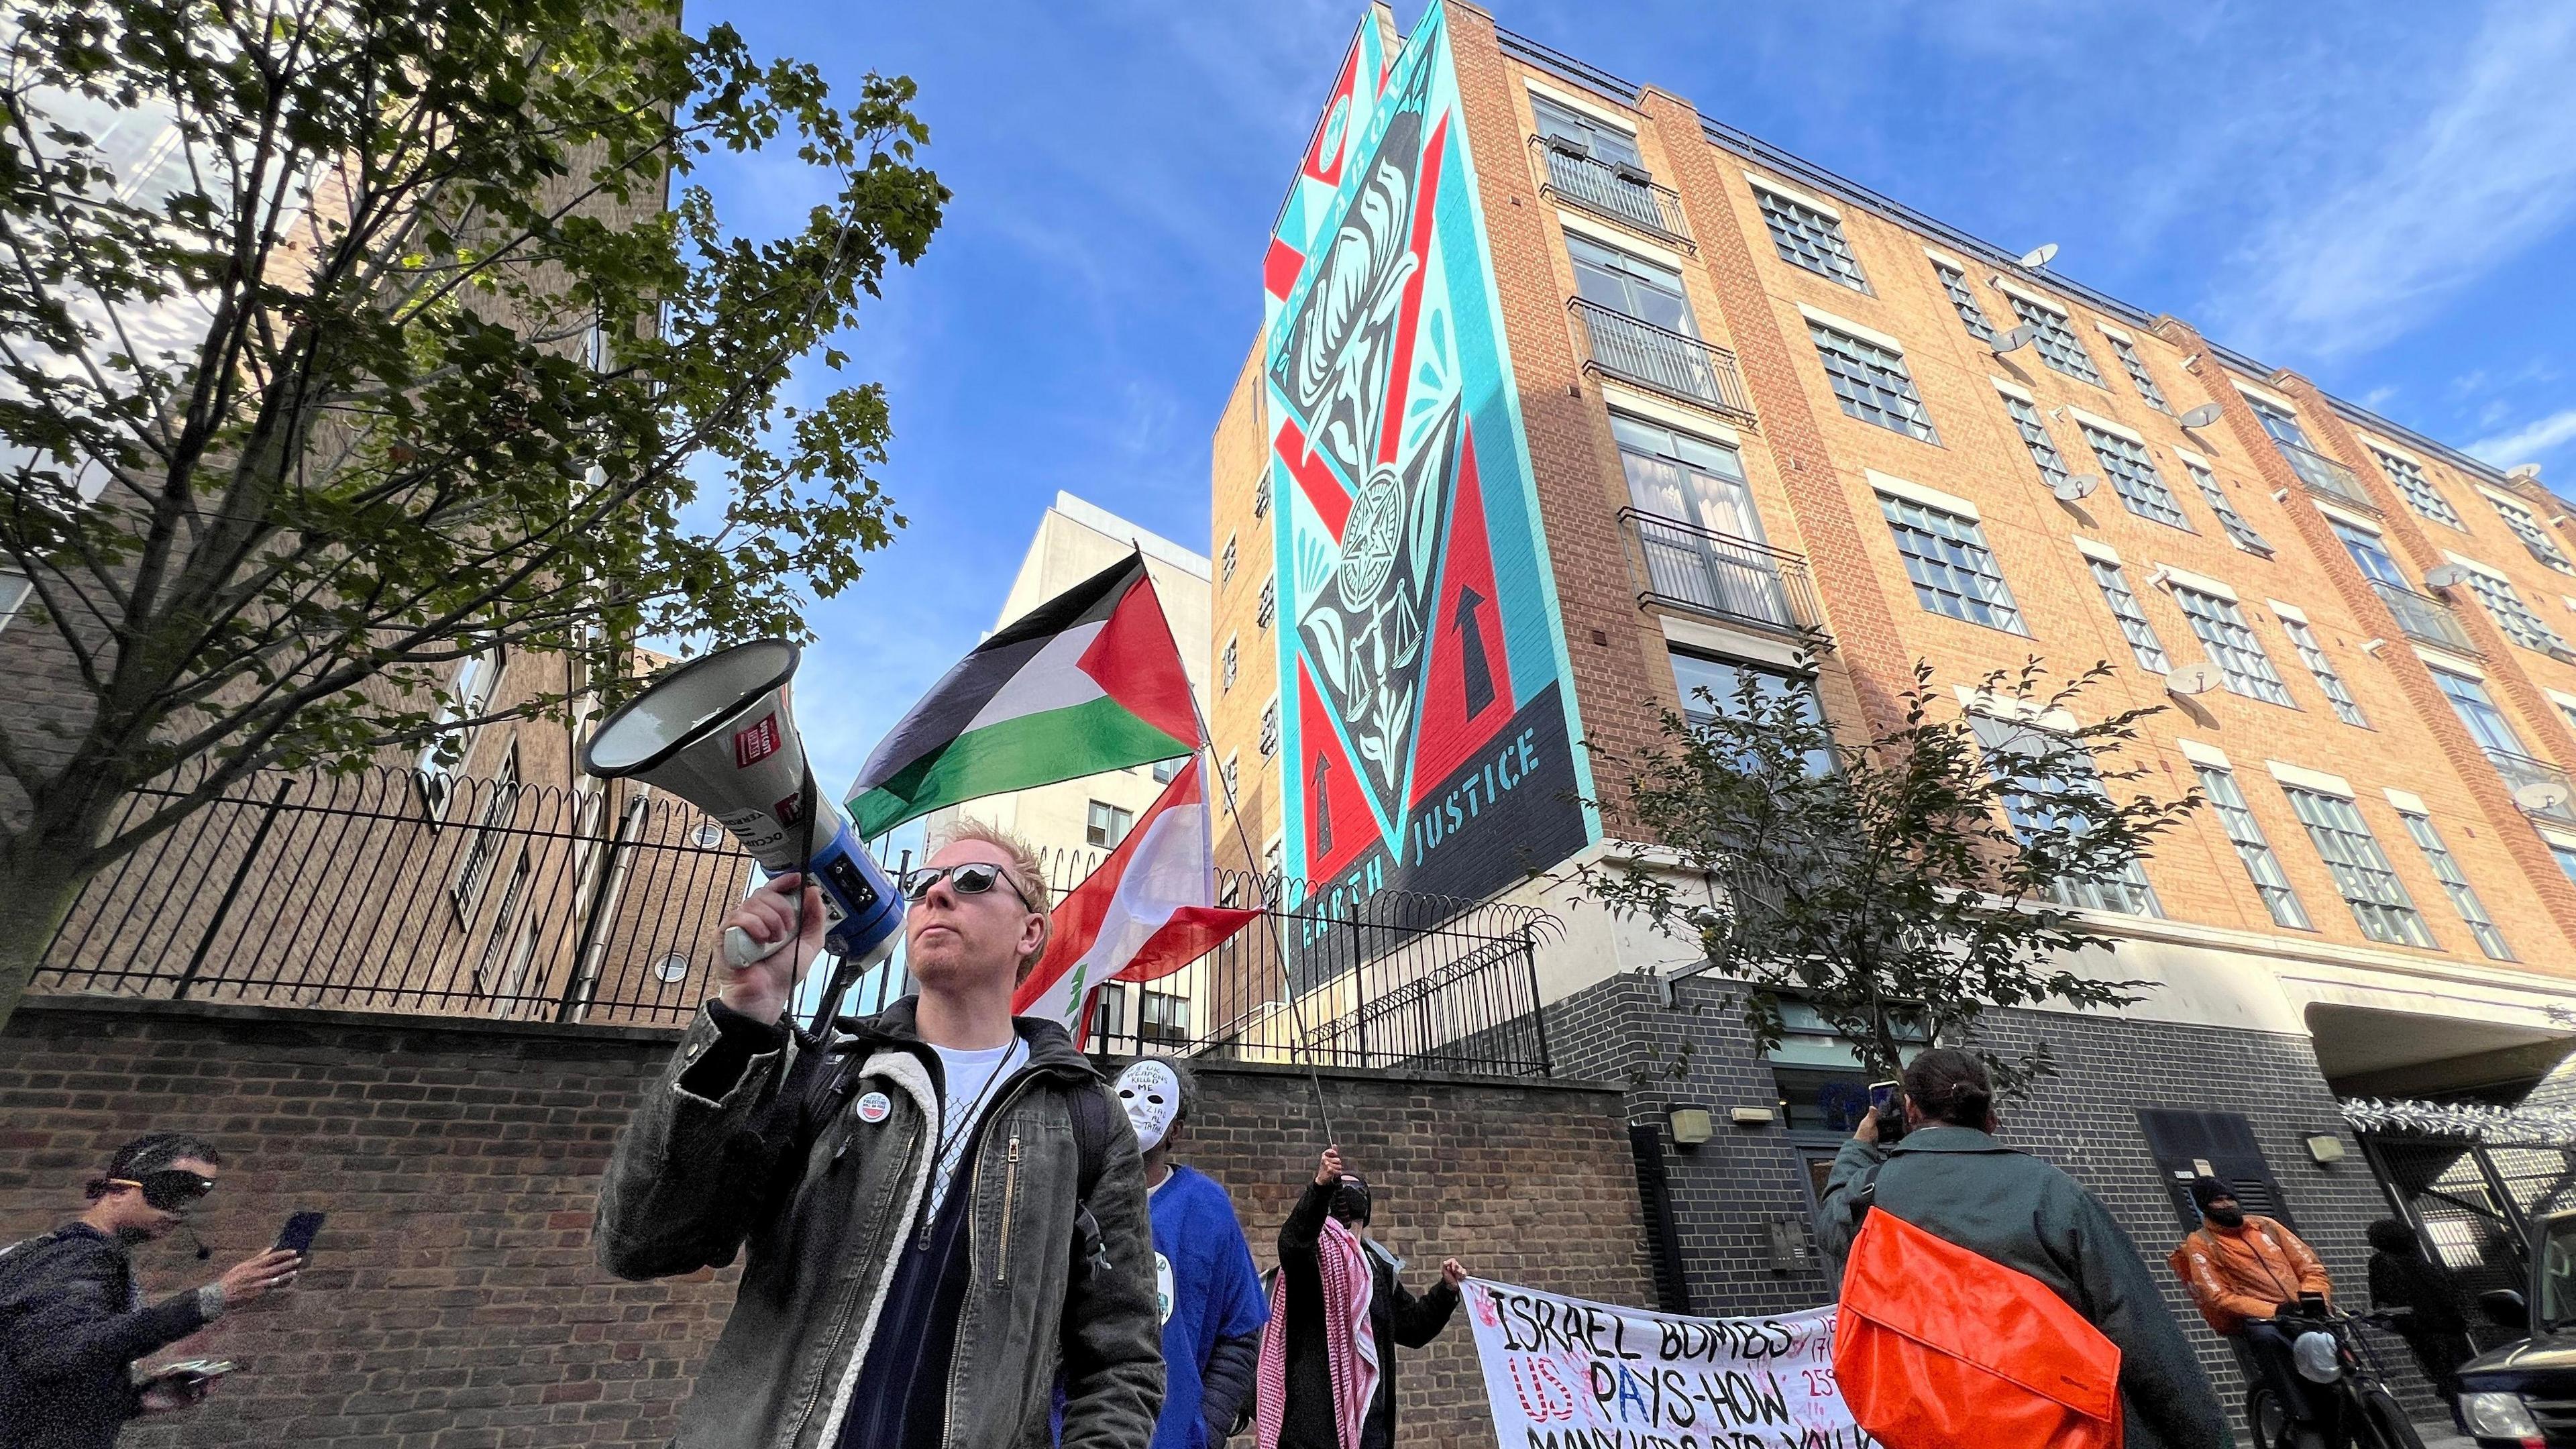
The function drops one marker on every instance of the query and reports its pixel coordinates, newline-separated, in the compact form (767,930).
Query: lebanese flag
(1145,912)
(1087,681)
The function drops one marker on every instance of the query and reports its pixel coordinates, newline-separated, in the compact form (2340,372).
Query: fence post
(232,890)
(1537,1011)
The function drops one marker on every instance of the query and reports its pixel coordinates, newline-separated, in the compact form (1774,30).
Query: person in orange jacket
(2247,1274)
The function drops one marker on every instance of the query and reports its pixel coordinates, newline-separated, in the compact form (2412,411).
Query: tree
(1903,884)
(403,336)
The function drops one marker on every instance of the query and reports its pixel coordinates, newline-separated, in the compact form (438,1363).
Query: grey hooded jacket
(725,1153)
(1963,1186)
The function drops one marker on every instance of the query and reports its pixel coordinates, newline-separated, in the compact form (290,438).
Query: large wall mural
(1427,721)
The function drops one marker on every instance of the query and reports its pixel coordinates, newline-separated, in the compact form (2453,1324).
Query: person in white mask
(1206,1287)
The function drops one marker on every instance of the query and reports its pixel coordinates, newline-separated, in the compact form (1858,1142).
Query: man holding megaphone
(943,1208)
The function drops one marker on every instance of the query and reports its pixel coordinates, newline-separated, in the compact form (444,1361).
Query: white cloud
(2532,438)
(2488,171)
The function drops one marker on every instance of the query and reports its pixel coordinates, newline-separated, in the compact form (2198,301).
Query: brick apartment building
(1570,399)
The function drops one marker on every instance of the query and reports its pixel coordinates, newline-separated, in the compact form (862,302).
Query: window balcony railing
(1672,363)
(2327,478)
(2424,619)
(1683,566)
(2522,771)
(1611,190)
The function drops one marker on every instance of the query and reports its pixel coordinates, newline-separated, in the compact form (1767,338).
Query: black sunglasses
(970,879)
(171,1189)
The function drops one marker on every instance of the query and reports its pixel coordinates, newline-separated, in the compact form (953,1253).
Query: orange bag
(1937,1347)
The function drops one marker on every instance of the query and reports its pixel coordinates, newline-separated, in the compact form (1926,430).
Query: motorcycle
(2347,1394)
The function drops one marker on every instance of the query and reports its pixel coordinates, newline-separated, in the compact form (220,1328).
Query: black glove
(2312,1305)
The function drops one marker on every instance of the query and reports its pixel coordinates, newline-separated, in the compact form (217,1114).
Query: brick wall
(2084,1119)
(452,1300)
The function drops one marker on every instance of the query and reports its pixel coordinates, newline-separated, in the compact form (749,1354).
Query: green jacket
(725,1152)
(1963,1186)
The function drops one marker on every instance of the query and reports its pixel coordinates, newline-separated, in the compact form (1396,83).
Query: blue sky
(2380,196)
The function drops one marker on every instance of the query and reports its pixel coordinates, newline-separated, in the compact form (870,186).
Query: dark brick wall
(2084,1120)
(452,1301)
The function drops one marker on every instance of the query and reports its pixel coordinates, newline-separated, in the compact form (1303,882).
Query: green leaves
(341,341)
(1901,883)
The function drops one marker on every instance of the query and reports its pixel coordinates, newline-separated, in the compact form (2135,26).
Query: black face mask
(2225,1217)
(1351,1202)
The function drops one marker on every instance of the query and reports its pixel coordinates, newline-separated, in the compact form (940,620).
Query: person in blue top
(1205,1285)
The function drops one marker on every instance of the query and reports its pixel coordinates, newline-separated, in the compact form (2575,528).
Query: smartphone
(196,1370)
(1891,1113)
(297,1235)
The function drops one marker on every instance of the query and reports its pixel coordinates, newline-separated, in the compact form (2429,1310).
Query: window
(2127,352)
(1723,680)
(2361,870)
(2418,490)
(1231,776)
(2526,526)
(1872,382)
(467,699)
(2565,855)
(1680,477)
(500,806)
(1225,668)
(2246,834)
(1261,497)
(2034,432)
(1267,608)
(1106,825)
(1225,568)
(1166,771)
(2512,615)
(1269,741)
(1810,238)
(2133,475)
(2232,646)
(1630,285)
(14,589)
(1953,571)
(1604,143)
(2239,532)
(1971,316)
(505,919)
(2455,884)
(2006,743)
(2313,655)
(2370,555)
(2134,624)
(2058,345)
(2477,710)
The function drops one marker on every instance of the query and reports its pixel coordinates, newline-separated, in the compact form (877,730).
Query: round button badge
(873,1107)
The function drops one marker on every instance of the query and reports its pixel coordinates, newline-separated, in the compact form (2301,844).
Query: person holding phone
(73,1320)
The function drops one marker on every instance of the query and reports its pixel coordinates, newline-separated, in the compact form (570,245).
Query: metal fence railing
(2424,619)
(1684,566)
(1675,364)
(604,902)
(1621,193)
(2326,477)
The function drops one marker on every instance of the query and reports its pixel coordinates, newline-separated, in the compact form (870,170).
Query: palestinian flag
(1087,681)
(1147,911)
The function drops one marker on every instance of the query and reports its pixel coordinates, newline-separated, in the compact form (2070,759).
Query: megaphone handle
(740,950)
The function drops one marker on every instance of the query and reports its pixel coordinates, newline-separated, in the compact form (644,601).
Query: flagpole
(1251,860)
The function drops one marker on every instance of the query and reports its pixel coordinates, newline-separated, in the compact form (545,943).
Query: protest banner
(1568,1373)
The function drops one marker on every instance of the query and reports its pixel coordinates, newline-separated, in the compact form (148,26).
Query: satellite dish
(2445,576)
(2541,795)
(2018,337)
(2039,256)
(2192,679)
(2201,416)
(2527,472)
(2070,489)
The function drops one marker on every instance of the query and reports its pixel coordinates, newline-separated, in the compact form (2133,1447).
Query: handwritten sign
(1568,1373)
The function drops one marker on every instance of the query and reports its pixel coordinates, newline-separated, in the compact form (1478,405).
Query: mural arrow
(1474,670)
(1322,804)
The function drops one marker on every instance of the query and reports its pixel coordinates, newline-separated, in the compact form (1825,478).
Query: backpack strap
(1092,1129)
(1865,1196)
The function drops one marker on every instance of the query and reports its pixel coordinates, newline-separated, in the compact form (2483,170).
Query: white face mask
(1152,1096)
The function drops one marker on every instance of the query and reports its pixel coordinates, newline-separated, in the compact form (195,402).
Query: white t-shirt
(975,1080)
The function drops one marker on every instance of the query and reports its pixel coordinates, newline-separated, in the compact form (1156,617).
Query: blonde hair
(1021,866)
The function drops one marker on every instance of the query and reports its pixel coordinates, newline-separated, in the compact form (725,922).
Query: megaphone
(718,732)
